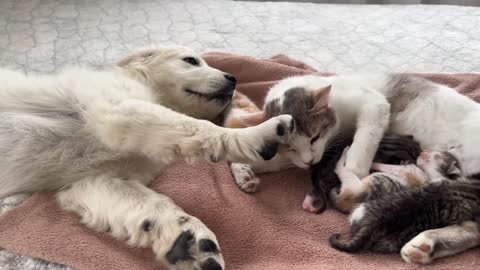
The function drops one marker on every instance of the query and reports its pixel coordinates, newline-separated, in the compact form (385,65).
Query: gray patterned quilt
(45,35)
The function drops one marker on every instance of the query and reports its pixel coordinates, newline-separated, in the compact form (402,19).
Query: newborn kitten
(406,201)
(393,149)
(391,178)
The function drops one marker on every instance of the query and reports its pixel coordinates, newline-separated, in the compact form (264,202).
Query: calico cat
(393,149)
(365,107)
(406,201)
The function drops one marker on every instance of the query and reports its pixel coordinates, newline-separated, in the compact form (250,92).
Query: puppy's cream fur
(97,137)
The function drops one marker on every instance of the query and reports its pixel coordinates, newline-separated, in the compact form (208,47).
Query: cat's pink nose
(425,154)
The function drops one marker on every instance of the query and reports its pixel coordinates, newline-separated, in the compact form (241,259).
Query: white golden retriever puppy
(98,137)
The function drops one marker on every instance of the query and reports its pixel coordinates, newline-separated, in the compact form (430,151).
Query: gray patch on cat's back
(404,88)
(300,103)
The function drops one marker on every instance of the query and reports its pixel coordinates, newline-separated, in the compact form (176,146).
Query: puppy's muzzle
(230,85)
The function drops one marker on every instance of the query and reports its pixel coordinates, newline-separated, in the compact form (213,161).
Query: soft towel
(266,230)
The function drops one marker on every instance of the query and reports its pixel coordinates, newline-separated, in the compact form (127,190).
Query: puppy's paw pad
(210,264)
(207,245)
(285,125)
(181,249)
(268,151)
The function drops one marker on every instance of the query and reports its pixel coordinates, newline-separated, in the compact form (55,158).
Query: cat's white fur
(98,137)
(439,120)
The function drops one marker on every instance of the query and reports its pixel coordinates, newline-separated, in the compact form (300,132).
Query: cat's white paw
(359,172)
(419,250)
(245,177)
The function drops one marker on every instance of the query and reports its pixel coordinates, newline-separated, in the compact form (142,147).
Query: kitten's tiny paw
(419,250)
(313,203)
(245,177)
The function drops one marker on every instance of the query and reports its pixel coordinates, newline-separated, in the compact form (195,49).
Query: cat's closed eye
(314,139)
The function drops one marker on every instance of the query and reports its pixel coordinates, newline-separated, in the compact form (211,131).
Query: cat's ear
(453,170)
(253,119)
(321,96)
(455,150)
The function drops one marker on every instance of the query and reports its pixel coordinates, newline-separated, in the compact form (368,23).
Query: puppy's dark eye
(192,61)
(314,139)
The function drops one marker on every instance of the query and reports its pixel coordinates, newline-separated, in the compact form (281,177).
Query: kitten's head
(315,123)
(440,165)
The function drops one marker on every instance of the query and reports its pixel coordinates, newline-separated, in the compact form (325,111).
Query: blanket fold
(265,231)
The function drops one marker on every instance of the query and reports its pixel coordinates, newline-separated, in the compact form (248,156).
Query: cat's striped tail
(358,241)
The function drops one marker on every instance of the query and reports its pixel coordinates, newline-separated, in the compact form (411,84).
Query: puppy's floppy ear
(135,59)
(253,119)
(137,63)
(321,96)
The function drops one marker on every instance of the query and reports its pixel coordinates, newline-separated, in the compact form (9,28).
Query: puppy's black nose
(231,78)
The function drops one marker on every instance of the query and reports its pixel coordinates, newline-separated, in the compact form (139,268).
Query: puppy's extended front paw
(284,126)
(189,245)
(275,131)
(250,144)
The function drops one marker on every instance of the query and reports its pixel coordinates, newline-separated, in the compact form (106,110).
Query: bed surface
(45,35)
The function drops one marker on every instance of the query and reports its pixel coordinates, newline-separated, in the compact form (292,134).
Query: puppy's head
(182,80)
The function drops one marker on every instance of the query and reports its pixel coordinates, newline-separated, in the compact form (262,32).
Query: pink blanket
(267,230)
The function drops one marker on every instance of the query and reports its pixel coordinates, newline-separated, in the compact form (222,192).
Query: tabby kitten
(394,212)
(393,149)
(431,167)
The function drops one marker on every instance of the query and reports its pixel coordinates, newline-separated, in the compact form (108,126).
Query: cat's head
(315,123)
(440,165)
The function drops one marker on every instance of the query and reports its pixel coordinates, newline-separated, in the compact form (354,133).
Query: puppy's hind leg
(130,211)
